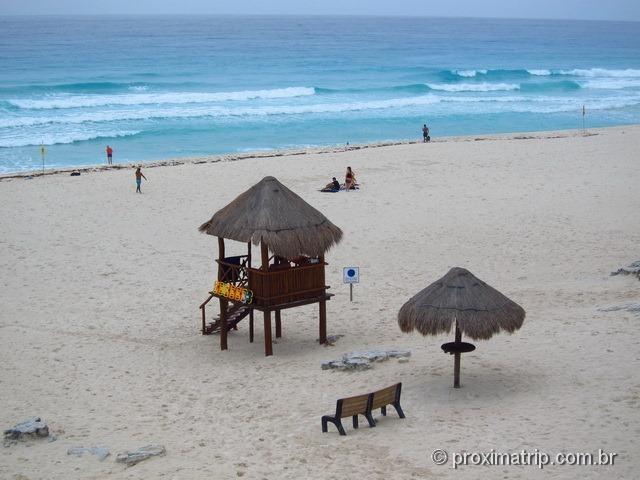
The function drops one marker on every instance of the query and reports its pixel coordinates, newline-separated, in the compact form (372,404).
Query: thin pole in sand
(584,112)
(43,152)
(456,359)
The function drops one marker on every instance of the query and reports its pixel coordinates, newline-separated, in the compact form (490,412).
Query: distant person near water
(109,155)
(139,177)
(425,134)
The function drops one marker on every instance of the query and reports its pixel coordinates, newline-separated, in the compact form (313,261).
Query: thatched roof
(272,213)
(480,310)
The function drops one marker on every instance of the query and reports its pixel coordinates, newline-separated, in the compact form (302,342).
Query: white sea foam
(600,72)
(612,83)
(469,73)
(194,111)
(473,87)
(539,72)
(397,106)
(82,101)
(25,139)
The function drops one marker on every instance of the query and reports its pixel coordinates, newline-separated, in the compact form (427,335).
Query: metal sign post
(43,152)
(351,275)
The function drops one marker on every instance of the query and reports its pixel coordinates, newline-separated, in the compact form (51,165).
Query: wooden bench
(364,405)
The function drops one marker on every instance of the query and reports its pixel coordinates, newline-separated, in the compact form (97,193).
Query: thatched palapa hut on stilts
(293,238)
(459,298)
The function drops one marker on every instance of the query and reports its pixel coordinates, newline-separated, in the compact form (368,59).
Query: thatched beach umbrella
(477,310)
(272,214)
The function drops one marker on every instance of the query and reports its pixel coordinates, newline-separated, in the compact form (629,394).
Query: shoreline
(233,157)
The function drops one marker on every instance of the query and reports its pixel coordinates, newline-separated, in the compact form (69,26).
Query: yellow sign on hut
(230,291)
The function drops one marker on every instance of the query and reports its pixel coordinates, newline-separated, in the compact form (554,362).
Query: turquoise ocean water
(158,87)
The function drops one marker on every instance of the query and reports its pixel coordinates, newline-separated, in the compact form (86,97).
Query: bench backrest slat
(353,405)
(385,396)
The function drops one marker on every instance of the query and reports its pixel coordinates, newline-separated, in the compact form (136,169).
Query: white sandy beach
(100,327)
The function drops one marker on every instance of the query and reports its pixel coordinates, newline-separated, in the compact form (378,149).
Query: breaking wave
(85,101)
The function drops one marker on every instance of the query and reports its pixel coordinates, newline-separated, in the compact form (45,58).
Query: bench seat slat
(354,405)
(384,397)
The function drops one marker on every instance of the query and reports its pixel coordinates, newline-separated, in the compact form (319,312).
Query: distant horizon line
(318,15)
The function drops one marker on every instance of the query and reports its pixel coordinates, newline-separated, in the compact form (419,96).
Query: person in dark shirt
(333,186)
(425,133)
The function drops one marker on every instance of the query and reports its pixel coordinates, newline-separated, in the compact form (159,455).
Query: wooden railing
(233,270)
(289,284)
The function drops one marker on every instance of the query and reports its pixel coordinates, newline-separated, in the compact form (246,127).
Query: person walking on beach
(109,155)
(425,134)
(139,177)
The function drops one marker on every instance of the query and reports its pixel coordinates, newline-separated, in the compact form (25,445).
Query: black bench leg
(399,409)
(335,421)
(370,419)
(384,410)
(355,421)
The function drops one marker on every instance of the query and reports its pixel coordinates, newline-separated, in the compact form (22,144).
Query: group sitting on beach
(349,183)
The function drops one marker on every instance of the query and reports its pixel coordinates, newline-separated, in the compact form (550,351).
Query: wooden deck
(278,286)
(287,285)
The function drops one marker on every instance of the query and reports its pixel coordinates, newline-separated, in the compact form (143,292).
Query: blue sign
(351,275)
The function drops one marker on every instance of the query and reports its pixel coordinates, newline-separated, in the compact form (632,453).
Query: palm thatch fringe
(479,310)
(270,212)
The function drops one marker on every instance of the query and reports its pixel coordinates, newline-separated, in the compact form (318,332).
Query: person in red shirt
(109,155)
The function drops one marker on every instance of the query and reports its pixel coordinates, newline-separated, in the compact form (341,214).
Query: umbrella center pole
(456,360)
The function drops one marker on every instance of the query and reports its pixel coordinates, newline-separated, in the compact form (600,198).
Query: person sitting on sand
(349,180)
(333,186)
(139,177)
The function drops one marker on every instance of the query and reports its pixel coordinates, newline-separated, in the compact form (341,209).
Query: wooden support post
(220,256)
(251,326)
(456,360)
(268,346)
(322,337)
(278,325)
(204,320)
(264,251)
(223,323)
(322,321)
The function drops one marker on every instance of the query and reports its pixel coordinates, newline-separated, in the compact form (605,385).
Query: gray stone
(629,307)
(100,452)
(363,360)
(633,269)
(332,339)
(142,453)
(33,426)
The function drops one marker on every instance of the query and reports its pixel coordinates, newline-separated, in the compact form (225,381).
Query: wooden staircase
(235,314)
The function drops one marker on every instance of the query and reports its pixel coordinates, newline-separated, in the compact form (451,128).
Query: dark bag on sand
(428,138)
